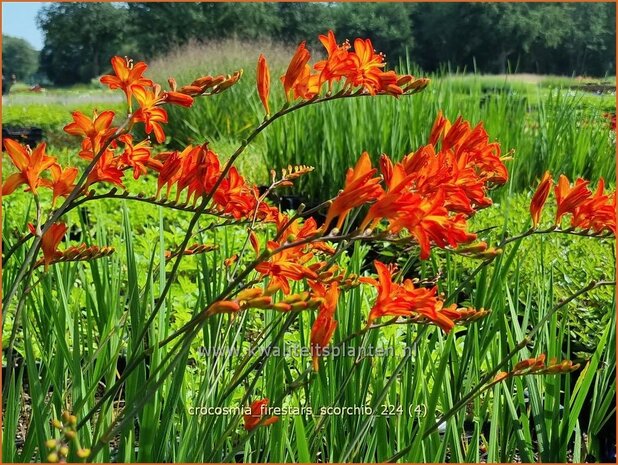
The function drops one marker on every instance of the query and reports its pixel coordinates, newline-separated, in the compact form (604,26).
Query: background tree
(158,27)
(544,38)
(79,39)
(18,58)
(388,24)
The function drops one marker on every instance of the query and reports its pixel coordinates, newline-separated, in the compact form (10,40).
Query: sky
(19,20)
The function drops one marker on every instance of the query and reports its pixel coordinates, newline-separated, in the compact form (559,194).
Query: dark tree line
(557,38)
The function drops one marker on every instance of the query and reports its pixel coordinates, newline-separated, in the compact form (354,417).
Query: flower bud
(248,294)
(282,307)
(260,302)
(299,306)
(83,453)
(51,443)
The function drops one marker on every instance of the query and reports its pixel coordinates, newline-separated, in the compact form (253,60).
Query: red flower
(360,188)
(325,324)
(258,409)
(50,241)
(263,82)
(569,198)
(295,68)
(540,197)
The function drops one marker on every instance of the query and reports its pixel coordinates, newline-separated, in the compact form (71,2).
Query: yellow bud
(51,443)
(299,305)
(292,298)
(70,434)
(83,453)
(56,424)
(64,451)
(260,302)
(249,294)
(52,458)
(282,307)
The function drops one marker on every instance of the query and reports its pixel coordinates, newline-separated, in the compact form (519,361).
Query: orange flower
(234,196)
(297,231)
(170,171)
(598,212)
(137,156)
(360,188)
(62,181)
(365,69)
(30,163)
(569,198)
(295,68)
(540,197)
(106,170)
(258,409)
(95,131)
(470,146)
(177,98)
(400,300)
(127,76)
(263,82)
(390,202)
(90,128)
(50,241)
(199,171)
(284,266)
(333,68)
(428,221)
(149,113)
(325,324)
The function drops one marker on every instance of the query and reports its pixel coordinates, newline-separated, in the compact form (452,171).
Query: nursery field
(162,337)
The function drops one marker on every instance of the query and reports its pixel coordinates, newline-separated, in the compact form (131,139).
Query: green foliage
(19,58)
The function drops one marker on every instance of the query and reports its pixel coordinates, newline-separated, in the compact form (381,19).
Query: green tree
(79,39)
(304,21)
(489,36)
(159,27)
(19,58)
(387,24)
